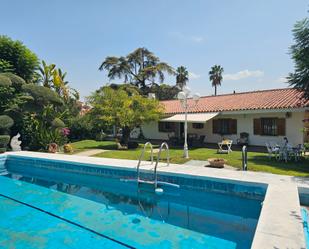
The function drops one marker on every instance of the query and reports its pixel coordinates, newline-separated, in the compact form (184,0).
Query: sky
(249,39)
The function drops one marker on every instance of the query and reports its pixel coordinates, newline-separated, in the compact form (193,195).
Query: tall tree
(140,68)
(16,57)
(215,76)
(182,76)
(300,54)
(126,111)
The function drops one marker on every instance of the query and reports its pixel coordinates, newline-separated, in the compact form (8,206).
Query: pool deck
(280,222)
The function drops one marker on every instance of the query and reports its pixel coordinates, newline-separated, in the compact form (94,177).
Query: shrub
(306,146)
(5,81)
(4,140)
(5,122)
(82,127)
(132,145)
(16,81)
(67,148)
(42,95)
(100,136)
(58,123)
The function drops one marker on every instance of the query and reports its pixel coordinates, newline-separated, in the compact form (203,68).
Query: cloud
(194,76)
(281,79)
(243,74)
(197,39)
(191,38)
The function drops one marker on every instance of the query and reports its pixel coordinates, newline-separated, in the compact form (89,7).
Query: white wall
(294,124)
(151,131)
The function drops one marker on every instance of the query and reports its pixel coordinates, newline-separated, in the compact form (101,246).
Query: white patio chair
(272,150)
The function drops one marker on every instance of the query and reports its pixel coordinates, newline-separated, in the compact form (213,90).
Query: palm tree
(182,76)
(215,76)
(47,72)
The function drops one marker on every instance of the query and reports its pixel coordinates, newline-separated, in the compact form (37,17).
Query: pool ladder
(155,181)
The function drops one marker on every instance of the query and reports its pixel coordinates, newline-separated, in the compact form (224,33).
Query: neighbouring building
(267,115)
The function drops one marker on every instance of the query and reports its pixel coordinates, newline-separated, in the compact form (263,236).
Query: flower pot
(216,162)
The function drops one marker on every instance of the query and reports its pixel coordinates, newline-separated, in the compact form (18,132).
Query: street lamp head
(186,90)
(181,96)
(196,97)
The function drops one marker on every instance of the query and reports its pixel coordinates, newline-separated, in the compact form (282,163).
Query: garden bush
(82,127)
(4,140)
(5,123)
(58,123)
(16,81)
(5,81)
(132,145)
(42,95)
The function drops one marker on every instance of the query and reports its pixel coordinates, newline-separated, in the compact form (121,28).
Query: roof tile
(256,100)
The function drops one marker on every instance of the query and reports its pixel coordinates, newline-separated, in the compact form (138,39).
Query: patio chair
(272,150)
(244,139)
(228,143)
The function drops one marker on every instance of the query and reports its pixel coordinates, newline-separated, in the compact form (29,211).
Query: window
(198,125)
(224,126)
(269,126)
(166,126)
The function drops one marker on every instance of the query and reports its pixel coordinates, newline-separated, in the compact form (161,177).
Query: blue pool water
(105,210)
(304,214)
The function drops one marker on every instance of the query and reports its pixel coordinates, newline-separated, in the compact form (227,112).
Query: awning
(192,118)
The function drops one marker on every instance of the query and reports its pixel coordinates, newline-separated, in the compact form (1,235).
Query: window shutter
(233,126)
(281,126)
(257,126)
(215,126)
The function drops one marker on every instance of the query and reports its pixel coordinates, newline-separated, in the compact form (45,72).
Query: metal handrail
(142,156)
(164,144)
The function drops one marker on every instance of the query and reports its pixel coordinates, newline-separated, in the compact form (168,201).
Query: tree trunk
(125,135)
(215,90)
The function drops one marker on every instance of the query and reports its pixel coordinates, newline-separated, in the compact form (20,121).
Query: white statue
(15,143)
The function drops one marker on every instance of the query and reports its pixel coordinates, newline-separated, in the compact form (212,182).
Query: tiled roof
(257,100)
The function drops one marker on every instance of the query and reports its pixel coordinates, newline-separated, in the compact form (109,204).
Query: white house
(268,115)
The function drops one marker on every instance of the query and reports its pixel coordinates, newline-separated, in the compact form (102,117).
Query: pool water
(182,217)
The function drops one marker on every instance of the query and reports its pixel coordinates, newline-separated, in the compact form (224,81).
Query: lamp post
(183,97)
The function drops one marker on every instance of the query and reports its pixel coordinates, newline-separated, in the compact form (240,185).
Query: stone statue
(15,143)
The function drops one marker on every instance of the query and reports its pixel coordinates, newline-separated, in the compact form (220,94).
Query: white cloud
(197,39)
(243,74)
(194,76)
(192,38)
(281,79)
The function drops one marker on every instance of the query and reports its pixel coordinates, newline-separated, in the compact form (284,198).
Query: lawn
(256,161)
(92,144)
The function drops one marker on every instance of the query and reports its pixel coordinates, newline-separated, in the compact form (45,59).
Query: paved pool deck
(280,223)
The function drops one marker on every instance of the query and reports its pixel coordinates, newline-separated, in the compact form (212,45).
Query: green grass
(92,144)
(256,161)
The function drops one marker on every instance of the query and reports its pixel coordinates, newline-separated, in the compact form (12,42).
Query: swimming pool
(111,209)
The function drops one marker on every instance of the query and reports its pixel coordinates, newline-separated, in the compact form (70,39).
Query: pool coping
(280,223)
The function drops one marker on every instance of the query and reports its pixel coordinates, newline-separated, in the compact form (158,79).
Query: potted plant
(216,162)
